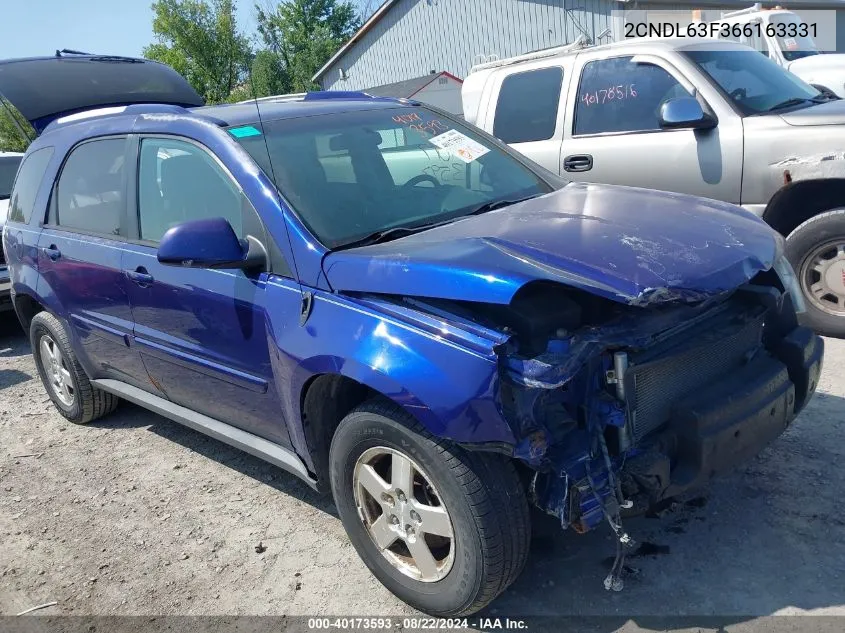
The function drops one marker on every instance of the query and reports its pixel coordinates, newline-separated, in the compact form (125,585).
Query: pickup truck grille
(659,382)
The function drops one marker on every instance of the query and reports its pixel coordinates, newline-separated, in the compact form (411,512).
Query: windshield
(753,82)
(8,169)
(790,41)
(353,174)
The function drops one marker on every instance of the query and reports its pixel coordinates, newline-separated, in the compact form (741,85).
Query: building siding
(416,37)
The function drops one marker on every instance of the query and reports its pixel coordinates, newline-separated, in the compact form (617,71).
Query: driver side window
(619,95)
(178,182)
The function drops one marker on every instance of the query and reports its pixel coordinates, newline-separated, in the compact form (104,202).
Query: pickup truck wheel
(62,375)
(816,250)
(444,529)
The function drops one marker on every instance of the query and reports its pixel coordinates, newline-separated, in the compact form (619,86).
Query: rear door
(203,334)
(528,113)
(614,135)
(79,258)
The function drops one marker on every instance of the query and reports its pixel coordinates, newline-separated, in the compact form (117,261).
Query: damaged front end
(619,407)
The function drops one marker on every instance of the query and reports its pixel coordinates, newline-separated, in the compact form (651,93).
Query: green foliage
(11,139)
(305,34)
(200,39)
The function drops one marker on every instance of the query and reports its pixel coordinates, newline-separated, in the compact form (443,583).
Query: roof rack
(581,42)
(757,6)
(323,95)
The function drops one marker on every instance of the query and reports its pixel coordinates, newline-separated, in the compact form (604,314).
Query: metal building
(406,39)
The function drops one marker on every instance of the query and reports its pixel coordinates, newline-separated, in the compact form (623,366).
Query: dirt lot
(137,515)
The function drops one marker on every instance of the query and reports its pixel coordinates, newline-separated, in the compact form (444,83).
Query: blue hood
(630,245)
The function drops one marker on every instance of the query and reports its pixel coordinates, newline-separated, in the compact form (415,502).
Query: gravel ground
(135,515)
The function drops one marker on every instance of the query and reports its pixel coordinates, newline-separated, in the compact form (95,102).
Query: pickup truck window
(8,169)
(754,83)
(520,119)
(792,48)
(351,174)
(619,95)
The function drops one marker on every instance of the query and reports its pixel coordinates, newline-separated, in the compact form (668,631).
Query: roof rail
(322,95)
(757,6)
(297,96)
(581,42)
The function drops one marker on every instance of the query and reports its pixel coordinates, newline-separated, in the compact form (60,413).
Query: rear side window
(619,95)
(27,184)
(90,193)
(528,105)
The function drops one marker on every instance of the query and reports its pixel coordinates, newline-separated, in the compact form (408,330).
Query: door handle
(140,276)
(52,252)
(578,162)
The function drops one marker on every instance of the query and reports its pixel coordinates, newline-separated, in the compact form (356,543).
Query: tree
(305,34)
(200,40)
(11,138)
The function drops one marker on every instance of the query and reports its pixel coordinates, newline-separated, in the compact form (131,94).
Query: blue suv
(394,306)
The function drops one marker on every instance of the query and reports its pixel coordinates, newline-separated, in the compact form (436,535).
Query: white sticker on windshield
(790,43)
(460,145)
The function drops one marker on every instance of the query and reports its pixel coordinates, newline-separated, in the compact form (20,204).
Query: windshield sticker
(243,132)
(460,145)
(790,43)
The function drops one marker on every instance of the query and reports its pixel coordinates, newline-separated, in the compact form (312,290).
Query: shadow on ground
(765,539)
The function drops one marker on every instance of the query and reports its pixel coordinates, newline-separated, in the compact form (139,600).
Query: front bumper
(726,422)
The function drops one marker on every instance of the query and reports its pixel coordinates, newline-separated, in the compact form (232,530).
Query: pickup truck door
(529,113)
(612,134)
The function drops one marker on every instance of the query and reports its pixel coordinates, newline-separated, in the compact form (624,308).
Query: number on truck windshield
(618,95)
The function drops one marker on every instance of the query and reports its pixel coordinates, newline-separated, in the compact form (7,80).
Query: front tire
(816,250)
(443,529)
(62,375)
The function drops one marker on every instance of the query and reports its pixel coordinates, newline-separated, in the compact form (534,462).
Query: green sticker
(242,132)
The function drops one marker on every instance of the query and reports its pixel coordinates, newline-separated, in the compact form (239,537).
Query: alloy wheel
(56,371)
(404,514)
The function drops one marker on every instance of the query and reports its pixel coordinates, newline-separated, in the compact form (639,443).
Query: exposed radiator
(657,382)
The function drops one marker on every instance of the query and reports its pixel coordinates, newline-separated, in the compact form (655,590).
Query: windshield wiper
(499,204)
(391,234)
(794,101)
(396,232)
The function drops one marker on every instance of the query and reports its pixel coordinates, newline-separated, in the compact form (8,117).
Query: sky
(114,27)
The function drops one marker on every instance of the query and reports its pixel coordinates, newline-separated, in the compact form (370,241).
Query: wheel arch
(798,201)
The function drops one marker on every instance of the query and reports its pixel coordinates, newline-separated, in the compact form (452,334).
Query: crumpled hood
(630,245)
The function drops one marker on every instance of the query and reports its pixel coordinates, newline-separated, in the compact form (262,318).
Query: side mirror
(210,243)
(685,112)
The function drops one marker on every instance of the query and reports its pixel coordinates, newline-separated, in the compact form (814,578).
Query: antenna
(263,132)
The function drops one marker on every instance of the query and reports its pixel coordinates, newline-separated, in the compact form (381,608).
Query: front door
(79,258)
(615,135)
(203,334)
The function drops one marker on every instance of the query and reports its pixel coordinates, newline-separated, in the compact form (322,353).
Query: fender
(450,388)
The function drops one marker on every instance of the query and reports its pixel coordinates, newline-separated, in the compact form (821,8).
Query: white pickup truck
(786,40)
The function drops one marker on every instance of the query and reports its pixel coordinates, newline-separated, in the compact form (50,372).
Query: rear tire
(814,245)
(63,377)
(480,494)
